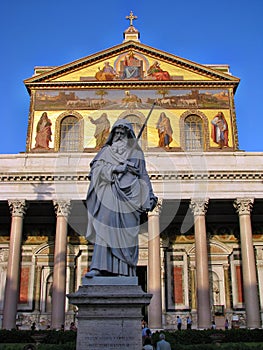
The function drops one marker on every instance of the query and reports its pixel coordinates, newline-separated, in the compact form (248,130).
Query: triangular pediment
(150,65)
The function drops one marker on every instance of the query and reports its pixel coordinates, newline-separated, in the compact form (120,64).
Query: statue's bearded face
(120,140)
(119,134)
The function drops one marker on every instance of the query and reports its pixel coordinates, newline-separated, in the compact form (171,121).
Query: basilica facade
(200,250)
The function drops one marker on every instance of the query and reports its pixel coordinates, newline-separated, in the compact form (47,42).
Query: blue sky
(53,33)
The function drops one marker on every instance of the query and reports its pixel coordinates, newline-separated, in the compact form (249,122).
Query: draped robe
(114,205)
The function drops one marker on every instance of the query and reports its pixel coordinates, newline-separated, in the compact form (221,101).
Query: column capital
(243,206)
(18,207)
(157,210)
(62,207)
(199,206)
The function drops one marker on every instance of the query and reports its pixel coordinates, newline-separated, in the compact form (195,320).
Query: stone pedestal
(109,313)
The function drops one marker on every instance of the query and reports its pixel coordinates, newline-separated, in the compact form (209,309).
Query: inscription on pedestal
(94,343)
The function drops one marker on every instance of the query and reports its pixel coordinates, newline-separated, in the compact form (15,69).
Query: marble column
(259,260)
(71,283)
(62,209)
(193,288)
(154,268)
(38,272)
(243,207)
(199,208)
(18,210)
(227,287)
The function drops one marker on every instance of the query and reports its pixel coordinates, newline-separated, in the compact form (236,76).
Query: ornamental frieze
(165,176)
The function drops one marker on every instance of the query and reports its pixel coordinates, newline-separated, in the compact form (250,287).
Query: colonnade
(18,211)
(200,282)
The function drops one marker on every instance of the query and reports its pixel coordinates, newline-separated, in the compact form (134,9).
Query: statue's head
(122,127)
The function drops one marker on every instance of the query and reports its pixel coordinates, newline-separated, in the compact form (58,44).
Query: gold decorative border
(234,120)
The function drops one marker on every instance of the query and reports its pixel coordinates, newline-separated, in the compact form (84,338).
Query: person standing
(162,344)
(188,322)
(119,192)
(146,333)
(179,323)
(147,344)
(226,324)
(73,327)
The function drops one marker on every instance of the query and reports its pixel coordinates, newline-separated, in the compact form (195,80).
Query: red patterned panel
(239,285)
(178,284)
(24,285)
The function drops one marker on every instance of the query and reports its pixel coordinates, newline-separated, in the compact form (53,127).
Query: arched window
(193,133)
(69,134)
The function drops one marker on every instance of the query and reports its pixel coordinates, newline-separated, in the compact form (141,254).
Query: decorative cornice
(132,85)
(165,176)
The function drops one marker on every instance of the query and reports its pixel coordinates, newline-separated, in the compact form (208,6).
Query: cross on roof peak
(131,17)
